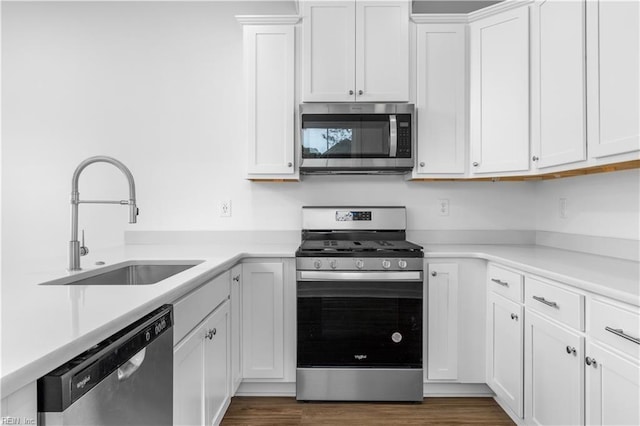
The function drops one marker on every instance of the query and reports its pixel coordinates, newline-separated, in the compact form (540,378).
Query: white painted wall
(158,85)
(603,205)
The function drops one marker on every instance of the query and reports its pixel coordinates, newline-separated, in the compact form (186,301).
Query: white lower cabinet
(201,372)
(263,320)
(454,322)
(505,340)
(612,387)
(236,328)
(442,322)
(554,373)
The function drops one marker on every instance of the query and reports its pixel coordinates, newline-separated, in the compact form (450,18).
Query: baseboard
(434,390)
(431,390)
(266,389)
(517,420)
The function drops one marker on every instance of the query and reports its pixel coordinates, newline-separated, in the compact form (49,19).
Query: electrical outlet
(224,208)
(443,207)
(563,208)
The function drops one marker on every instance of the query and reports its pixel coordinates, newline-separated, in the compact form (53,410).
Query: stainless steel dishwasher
(126,379)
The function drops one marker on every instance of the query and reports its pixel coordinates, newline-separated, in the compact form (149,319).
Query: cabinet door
(189,360)
(558,126)
(613,72)
(441,99)
(262,320)
(236,328)
(200,372)
(499,92)
(442,321)
(269,74)
(328,62)
(554,373)
(505,370)
(217,368)
(382,51)
(612,388)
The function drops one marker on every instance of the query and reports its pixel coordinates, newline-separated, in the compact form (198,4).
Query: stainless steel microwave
(357,138)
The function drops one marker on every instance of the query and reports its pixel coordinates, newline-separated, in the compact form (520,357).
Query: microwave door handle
(393,135)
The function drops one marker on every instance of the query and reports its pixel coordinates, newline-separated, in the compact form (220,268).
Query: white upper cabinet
(270,80)
(441,99)
(558,127)
(613,74)
(499,92)
(355,51)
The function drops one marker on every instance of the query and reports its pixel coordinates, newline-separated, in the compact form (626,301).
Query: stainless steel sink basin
(135,272)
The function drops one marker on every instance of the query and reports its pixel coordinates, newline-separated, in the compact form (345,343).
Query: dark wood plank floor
(433,411)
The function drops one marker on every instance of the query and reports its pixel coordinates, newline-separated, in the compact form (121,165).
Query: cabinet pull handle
(514,317)
(351,92)
(434,273)
(535,158)
(571,350)
(476,164)
(210,333)
(546,302)
(236,278)
(497,281)
(591,361)
(360,92)
(422,164)
(620,333)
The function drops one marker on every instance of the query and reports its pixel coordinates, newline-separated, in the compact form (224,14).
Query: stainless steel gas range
(359,306)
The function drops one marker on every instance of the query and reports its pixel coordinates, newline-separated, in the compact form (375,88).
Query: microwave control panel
(404,136)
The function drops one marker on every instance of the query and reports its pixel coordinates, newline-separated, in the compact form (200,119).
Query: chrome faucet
(75,249)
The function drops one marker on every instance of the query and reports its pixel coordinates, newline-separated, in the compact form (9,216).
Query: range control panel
(348,216)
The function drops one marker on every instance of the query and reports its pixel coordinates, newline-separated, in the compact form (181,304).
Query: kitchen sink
(133,272)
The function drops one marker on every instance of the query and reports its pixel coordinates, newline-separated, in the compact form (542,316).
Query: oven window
(345,136)
(356,324)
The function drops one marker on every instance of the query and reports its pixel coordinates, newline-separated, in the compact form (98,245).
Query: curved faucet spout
(75,251)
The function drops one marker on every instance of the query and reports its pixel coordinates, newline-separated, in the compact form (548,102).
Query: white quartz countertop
(44,326)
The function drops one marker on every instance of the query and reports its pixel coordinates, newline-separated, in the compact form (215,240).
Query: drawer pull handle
(571,350)
(591,362)
(236,278)
(619,332)
(497,281)
(546,302)
(514,317)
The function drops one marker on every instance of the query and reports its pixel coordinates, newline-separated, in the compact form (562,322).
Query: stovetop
(359,248)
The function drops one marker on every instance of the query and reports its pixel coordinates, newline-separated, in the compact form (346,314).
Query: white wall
(603,205)
(158,85)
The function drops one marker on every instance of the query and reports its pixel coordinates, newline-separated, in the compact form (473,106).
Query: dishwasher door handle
(127,369)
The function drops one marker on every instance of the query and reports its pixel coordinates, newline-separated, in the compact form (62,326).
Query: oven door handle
(359,276)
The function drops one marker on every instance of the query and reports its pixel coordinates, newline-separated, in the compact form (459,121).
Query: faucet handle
(83,249)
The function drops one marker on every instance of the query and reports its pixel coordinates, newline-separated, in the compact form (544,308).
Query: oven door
(359,319)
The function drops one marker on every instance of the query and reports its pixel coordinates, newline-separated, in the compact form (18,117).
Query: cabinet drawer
(615,326)
(555,302)
(505,282)
(191,309)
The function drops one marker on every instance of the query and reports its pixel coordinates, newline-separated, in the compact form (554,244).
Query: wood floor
(433,411)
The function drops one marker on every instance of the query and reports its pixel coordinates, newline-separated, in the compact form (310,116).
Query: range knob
(402,264)
(386,264)
(317,263)
(359,264)
(333,264)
